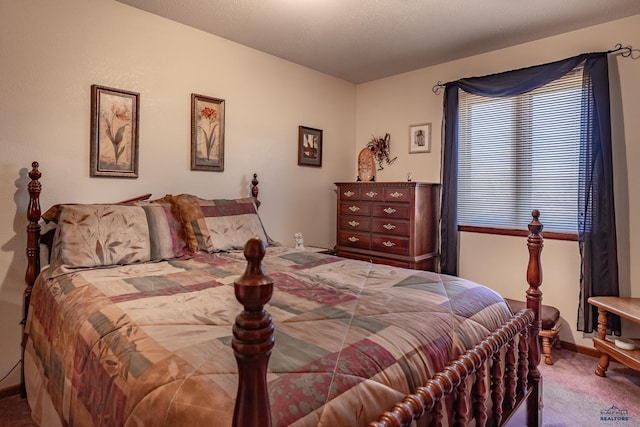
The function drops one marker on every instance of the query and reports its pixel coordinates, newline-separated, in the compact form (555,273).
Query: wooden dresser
(392,223)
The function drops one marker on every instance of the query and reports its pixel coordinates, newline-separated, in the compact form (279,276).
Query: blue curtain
(596,213)
(597,241)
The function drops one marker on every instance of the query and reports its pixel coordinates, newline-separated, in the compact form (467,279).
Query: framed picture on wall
(114,132)
(207,133)
(309,146)
(420,138)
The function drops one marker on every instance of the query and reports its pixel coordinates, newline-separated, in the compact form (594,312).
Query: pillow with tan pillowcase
(102,235)
(52,215)
(217,225)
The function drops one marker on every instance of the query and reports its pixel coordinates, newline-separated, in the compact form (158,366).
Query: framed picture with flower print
(420,138)
(207,133)
(114,132)
(309,146)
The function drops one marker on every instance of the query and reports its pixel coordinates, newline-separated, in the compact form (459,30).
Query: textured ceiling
(363,40)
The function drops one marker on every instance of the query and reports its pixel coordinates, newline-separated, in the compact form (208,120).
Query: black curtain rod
(626,52)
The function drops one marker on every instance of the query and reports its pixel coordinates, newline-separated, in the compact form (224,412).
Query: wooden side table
(629,308)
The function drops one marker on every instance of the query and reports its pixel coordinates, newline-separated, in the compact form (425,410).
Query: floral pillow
(102,235)
(218,225)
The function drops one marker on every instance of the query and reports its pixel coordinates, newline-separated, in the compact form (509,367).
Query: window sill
(550,235)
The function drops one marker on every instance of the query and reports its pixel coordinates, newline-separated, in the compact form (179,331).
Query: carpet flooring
(14,412)
(573,396)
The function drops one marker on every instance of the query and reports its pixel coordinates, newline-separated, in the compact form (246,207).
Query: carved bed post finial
(254,189)
(534,295)
(253,340)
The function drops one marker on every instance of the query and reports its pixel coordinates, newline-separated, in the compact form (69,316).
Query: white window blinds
(521,153)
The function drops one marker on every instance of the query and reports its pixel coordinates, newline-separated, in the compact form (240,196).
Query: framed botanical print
(207,133)
(420,138)
(114,132)
(309,146)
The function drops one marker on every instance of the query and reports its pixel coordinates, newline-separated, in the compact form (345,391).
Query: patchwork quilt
(150,344)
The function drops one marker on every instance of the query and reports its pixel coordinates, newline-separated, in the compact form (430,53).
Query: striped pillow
(164,231)
(102,235)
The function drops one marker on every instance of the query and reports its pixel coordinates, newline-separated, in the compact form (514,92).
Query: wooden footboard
(508,379)
(515,382)
(507,360)
(515,391)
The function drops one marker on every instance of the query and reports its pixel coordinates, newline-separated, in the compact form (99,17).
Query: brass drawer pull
(389,226)
(371,194)
(354,208)
(353,239)
(388,244)
(389,210)
(396,195)
(354,223)
(349,193)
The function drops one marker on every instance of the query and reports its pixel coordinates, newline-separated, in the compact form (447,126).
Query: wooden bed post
(33,233)
(255,190)
(33,253)
(253,340)
(534,303)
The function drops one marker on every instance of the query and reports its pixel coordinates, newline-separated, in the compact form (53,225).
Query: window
(521,153)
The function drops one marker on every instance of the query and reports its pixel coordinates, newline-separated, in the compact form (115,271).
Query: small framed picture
(309,146)
(114,132)
(207,133)
(420,138)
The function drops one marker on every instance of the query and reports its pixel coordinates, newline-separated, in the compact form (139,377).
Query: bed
(182,311)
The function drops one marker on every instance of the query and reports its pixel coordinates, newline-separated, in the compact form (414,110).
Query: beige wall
(52,52)
(392,104)
(50,55)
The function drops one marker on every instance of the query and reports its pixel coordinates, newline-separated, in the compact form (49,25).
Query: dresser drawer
(355,208)
(395,245)
(350,192)
(397,194)
(372,193)
(388,210)
(356,240)
(352,223)
(390,226)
